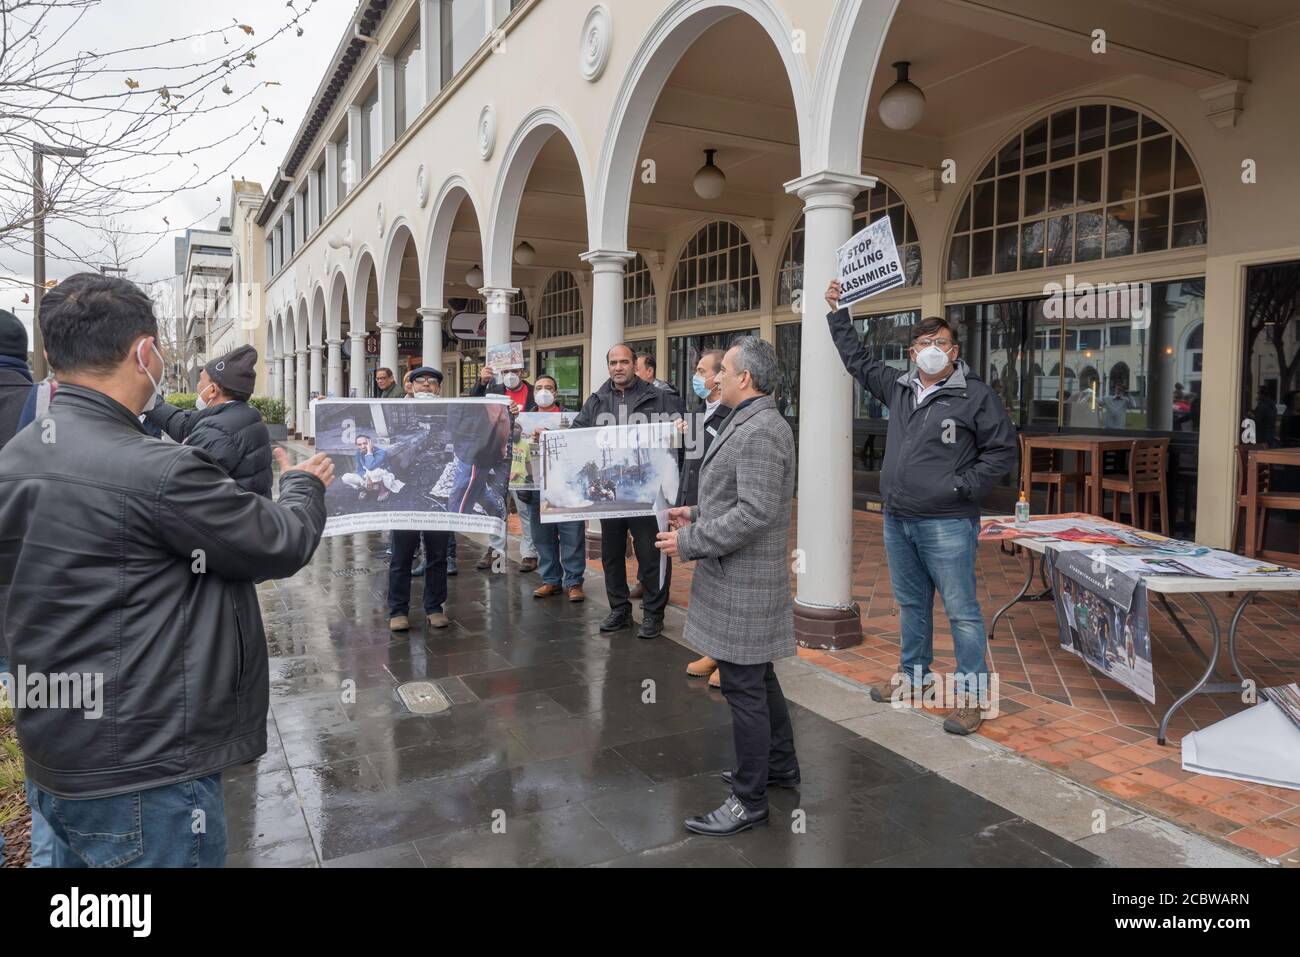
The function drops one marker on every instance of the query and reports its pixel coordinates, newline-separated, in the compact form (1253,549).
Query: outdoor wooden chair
(1143,480)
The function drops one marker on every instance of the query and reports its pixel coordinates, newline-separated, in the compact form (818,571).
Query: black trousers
(405,544)
(760,726)
(613,557)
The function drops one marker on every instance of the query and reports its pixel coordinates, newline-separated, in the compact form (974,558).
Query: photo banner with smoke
(613,471)
(415,464)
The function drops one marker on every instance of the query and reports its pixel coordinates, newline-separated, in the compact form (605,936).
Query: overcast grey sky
(297,63)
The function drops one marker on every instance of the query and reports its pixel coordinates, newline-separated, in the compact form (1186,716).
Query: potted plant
(273,415)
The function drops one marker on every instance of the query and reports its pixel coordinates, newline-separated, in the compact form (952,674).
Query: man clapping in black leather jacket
(127,570)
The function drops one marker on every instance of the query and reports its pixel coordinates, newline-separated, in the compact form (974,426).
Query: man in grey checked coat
(740,610)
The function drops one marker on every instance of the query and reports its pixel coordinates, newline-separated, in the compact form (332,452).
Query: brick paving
(1058,712)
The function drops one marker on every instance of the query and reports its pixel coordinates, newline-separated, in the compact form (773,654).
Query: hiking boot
(576,593)
(438,619)
(715,679)
(528,565)
(963,721)
(399,623)
(702,668)
(485,562)
(617,621)
(547,590)
(651,627)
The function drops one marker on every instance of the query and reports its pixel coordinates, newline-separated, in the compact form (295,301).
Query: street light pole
(39,152)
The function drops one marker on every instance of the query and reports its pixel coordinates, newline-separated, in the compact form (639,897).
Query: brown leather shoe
(963,721)
(546,591)
(485,562)
(399,623)
(702,668)
(715,679)
(528,565)
(576,593)
(439,619)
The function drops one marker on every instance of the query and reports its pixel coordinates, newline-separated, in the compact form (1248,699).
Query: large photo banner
(419,464)
(612,471)
(526,446)
(1102,616)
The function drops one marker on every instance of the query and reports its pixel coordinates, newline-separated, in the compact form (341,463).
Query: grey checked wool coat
(740,609)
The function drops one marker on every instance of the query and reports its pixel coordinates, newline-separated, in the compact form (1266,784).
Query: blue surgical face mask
(700,388)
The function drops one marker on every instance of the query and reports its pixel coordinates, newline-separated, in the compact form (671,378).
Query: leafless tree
(165,116)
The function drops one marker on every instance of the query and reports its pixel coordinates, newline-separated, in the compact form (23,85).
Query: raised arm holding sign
(869,263)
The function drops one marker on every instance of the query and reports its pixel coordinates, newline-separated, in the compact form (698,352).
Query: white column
(331,181)
(825,614)
(313,202)
(354,145)
(607,268)
(430,48)
(300,397)
(433,317)
(497,303)
(387,102)
(388,347)
(357,364)
(314,385)
(272,374)
(334,368)
(290,393)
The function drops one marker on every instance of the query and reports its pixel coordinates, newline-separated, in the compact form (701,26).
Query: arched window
(1085,183)
(561,311)
(870,205)
(638,294)
(715,276)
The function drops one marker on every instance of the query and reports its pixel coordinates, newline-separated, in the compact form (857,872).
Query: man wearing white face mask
(949,441)
(515,386)
(223,424)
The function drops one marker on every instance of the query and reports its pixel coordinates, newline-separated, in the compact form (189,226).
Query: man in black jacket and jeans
(949,440)
(127,567)
(224,425)
(625,399)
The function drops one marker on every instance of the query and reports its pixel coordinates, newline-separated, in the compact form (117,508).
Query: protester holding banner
(514,385)
(622,396)
(561,546)
(949,441)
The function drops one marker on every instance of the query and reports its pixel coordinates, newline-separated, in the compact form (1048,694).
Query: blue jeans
(561,550)
(527,546)
(177,825)
(925,553)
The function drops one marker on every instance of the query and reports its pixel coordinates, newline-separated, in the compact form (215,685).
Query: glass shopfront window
(789,348)
(565,367)
(1270,386)
(684,354)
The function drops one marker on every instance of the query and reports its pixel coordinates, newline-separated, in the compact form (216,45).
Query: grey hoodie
(942,456)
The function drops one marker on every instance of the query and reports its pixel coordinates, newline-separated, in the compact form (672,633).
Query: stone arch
(454,191)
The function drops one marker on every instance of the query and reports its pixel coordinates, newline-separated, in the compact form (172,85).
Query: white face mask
(199,401)
(932,360)
(545,397)
(156,383)
(512,380)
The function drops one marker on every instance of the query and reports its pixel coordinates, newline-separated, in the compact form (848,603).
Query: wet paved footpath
(549,753)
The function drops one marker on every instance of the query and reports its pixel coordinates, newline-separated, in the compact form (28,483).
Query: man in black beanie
(224,425)
(15,374)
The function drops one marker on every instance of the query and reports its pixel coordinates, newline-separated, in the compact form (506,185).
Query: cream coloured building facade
(477,166)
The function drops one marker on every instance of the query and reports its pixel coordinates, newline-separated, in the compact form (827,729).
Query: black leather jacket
(134,558)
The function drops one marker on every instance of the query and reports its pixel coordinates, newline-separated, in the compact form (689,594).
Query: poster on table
(612,471)
(508,355)
(526,446)
(869,263)
(1102,616)
(420,464)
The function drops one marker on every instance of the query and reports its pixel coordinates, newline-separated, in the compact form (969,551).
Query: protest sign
(526,446)
(613,471)
(509,355)
(417,464)
(869,263)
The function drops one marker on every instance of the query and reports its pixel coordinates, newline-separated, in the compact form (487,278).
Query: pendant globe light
(525,254)
(474,278)
(709,180)
(903,103)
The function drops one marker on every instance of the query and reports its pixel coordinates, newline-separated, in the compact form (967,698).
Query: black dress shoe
(617,620)
(773,780)
(730,818)
(651,627)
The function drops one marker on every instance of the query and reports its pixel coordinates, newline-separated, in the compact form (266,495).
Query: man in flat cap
(223,424)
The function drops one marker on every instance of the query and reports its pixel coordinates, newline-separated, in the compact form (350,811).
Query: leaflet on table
(1287,698)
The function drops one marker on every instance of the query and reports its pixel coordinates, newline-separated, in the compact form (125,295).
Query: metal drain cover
(423,697)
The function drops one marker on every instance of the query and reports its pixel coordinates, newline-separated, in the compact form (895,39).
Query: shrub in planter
(182,400)
(272,409)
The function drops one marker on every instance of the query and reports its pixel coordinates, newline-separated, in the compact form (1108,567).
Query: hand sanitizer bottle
(1022,511)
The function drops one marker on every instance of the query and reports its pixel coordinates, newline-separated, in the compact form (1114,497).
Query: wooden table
(1162,586)
(1255,458)
(1095,446)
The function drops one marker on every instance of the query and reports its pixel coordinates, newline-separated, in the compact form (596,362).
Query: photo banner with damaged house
(612,471)
(417,464)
